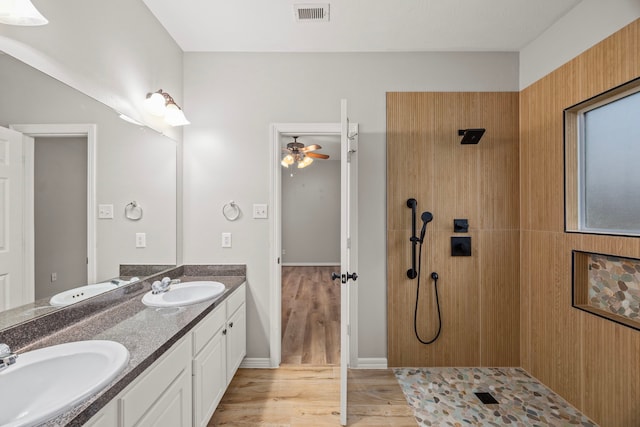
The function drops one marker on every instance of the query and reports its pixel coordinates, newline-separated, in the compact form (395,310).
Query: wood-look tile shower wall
(590,361)
(479,295)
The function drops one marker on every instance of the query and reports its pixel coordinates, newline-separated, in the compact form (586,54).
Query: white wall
(311,214)
(114,51)
(585,25)
(232,99)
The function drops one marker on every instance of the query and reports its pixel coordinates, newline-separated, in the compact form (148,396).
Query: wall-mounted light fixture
(161,104)
(20,12)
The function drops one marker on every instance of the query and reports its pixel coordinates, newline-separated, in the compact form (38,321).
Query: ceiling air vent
(311,12)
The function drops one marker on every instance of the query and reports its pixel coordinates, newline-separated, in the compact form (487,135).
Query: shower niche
(607,286)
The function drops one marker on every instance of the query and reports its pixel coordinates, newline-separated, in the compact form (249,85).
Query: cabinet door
(166,384)
(236,341)
(107,417)
(173,409)
(209,379)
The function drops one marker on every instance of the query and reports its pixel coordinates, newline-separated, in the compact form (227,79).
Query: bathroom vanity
(184,386)
(181,359)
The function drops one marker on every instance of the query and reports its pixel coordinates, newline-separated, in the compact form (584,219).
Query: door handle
(344,277)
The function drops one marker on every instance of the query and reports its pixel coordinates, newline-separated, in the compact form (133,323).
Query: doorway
(60,214)
(310,236)
(282,132)
(52,132)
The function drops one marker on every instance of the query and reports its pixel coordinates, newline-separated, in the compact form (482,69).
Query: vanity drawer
(208,327)
(236,300)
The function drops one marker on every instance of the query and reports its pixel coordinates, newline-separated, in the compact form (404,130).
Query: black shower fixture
(471,136)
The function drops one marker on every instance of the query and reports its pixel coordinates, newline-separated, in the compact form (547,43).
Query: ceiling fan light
(287,160)
(20,12)
(305,162)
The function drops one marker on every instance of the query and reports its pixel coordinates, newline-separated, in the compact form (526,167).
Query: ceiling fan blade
(311,148)
(317,155)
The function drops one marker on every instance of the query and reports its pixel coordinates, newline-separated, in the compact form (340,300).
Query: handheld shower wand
(412,273)
(426,218)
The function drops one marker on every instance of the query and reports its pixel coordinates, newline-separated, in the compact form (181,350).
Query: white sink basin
(184,294)
(46,382)
(80,293)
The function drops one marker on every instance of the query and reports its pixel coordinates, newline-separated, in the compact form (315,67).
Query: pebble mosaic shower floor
(445,397)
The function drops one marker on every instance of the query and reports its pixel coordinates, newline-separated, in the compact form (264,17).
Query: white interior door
(347,252)
(11,219)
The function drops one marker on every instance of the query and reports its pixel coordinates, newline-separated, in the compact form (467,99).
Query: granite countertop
(147,332)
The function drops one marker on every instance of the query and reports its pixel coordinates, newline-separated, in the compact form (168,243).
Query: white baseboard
(256,362)
(372,363)
(310,264)
(363,363)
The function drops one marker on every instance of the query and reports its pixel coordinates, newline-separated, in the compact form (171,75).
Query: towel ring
(231,211)
(133,211)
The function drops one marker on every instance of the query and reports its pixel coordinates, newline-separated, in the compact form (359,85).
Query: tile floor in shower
(446,397)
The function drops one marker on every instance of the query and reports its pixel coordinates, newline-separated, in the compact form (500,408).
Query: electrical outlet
(259,211)
(141,240)
(105,211)
(226,240)
(54,277)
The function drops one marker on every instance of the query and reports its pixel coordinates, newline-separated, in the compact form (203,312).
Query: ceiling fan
(298,152)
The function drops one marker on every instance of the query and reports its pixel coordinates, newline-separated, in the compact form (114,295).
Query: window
(602,163)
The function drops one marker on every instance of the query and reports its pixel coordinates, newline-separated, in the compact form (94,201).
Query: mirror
(128,214)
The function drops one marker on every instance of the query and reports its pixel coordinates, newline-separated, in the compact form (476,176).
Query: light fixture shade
(305,162)
(174,115)
(20,12)
(287,160)
(155,103)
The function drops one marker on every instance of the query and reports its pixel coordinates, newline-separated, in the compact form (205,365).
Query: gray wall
(311,214)
(233,97)
(114,51)
(60,204)
(133,163)
(584,26)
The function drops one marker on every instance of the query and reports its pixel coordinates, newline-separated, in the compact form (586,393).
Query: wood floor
(310,316)
(310,396)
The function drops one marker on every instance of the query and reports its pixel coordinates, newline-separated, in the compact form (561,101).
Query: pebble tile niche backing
(613,285)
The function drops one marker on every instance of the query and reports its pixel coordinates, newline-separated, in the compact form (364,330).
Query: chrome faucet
(159,287)
(6,356)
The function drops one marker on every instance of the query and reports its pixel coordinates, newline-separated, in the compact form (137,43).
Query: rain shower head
(471,136)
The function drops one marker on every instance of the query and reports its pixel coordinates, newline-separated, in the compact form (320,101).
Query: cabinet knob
(231,324)
(224,332)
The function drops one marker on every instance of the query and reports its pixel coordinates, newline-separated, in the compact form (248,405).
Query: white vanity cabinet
(183,388)
(219,347)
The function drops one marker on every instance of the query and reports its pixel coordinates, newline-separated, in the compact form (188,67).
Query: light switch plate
(226,240)
(260,211)
(105,211)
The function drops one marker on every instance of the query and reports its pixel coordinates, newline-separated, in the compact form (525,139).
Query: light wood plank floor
(310,316)
(310,396)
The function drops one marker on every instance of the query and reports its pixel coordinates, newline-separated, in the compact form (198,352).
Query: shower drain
(486,398)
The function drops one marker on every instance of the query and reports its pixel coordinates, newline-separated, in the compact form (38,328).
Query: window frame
(574,159)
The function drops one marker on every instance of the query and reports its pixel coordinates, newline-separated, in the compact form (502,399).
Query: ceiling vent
(316,12)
